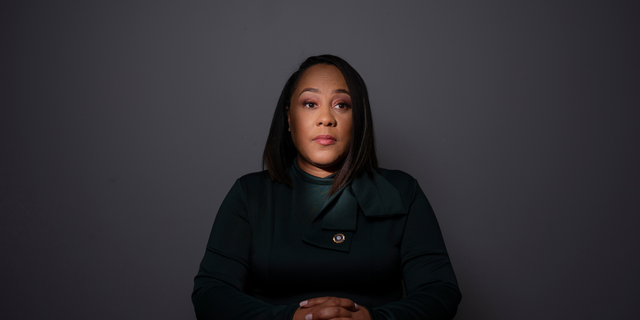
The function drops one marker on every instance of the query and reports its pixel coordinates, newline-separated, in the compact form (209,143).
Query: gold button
(338,238)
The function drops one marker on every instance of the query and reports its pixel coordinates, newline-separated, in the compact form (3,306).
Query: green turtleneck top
(273,246)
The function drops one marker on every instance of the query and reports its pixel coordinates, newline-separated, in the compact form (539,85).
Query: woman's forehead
(322,77)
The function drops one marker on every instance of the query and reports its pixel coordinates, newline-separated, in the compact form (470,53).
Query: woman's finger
(329,312)
(331,301)
(341,302)
(313,302)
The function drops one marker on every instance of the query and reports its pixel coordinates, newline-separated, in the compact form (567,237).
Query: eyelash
(343,104)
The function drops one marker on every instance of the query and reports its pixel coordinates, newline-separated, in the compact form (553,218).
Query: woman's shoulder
(258,178)
(398,178)
(255,176)
(251,185)
(395,173)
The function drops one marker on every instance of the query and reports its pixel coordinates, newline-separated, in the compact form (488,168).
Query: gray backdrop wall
(124,123)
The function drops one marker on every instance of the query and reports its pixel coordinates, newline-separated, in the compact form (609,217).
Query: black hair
(279,151)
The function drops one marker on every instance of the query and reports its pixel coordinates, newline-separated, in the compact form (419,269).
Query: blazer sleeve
(430,284)
(218,291)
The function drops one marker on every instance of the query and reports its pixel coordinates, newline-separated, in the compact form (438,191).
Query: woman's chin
(331,163)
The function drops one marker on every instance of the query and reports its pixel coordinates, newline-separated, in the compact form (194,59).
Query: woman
(324,233)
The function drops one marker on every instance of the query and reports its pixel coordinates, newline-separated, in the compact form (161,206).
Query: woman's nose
(325,117)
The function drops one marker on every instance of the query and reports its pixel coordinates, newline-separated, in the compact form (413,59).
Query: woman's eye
(309,104)
(342,106)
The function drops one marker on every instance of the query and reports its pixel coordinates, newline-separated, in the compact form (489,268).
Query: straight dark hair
(279,151)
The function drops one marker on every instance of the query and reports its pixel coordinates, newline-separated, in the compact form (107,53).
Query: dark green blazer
(272,247)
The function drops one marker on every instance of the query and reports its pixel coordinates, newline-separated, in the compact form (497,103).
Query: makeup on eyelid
(345,101)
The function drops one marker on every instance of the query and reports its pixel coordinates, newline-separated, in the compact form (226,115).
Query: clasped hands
(330,308)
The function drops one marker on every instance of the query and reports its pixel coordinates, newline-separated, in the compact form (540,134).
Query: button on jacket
(273,246)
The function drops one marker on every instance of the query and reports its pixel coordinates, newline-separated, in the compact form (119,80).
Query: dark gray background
(124,123)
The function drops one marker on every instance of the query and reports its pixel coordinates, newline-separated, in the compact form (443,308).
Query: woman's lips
(325,139)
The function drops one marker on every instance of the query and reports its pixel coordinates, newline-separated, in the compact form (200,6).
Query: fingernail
(308,317)
(357,306)
(304,303)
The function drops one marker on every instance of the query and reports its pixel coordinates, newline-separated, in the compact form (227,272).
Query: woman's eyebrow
(316,90)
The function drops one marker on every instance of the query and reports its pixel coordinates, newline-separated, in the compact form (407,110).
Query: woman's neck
(315,171)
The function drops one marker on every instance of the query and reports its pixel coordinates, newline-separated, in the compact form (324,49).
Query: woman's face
(320,119)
